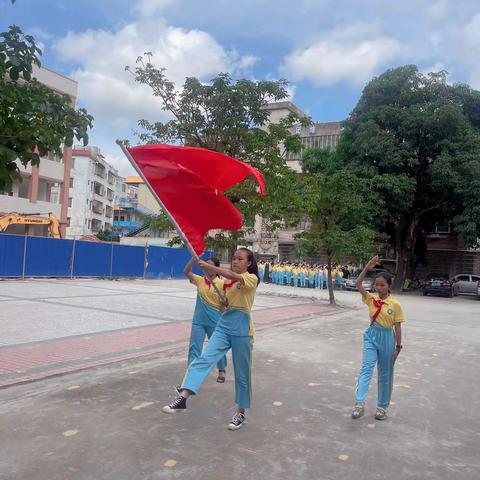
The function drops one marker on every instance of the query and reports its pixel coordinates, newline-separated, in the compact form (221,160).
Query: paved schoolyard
(106,423)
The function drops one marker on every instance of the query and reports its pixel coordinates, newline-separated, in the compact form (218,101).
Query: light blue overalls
(234,331)
(204,322)
(378,348)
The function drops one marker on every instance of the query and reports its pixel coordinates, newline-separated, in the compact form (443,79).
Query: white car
(466,284)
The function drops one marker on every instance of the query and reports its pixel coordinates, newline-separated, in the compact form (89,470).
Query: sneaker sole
(234,427)
(173,410)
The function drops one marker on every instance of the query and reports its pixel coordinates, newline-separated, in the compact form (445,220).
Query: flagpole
(166,212)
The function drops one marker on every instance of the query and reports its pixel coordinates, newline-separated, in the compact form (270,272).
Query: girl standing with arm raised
(382,341)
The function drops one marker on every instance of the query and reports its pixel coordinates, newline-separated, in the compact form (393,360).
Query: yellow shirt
(207,291)
(390,313)
(240,295)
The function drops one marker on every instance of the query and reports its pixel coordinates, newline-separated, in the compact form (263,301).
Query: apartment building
(43,188)
(135,204)
(279,244)
(92,194)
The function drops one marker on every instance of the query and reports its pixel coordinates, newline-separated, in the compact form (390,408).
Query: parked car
(467,284)
(367,283)
(439,284)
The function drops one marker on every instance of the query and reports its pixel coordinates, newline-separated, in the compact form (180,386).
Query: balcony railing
(130,224)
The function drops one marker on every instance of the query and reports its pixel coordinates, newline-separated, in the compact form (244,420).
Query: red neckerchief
(378,304)
(229,284)
(207,282)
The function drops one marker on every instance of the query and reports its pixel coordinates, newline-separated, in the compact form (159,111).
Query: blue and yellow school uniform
(303,277)
(378,348)
(261,270)
(288,275)
(295,273)
(234,331)
(205,317)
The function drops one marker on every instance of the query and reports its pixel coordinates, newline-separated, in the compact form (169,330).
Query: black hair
(386,276)
(253,267)
(214,260)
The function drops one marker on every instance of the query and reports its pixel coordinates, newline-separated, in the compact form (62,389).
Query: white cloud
(351,54)
(110,93)
(147,8)
(291,90)
(434,68)
(437,10)
(469,49)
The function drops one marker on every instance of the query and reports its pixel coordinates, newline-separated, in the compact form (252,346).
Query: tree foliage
(230,117)
(414,139)
(339,216)
(34,120)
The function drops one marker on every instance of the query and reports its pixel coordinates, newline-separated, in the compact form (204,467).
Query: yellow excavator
(31,219)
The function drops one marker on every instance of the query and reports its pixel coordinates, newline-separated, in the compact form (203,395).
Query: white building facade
(93,193)
(43,188)
(280,243)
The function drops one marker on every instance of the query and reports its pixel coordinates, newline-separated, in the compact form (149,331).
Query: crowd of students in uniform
(304,275)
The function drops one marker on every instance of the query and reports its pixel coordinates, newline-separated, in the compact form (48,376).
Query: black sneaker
(237,421)
(178,405)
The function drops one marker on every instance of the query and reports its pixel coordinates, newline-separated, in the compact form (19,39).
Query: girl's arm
(398,337)
(359,284)
(224,272)
(188,270)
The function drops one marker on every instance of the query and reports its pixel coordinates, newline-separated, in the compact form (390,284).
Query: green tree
(340,220)
(107,236)
(414,139)
(34,120)
(230,117)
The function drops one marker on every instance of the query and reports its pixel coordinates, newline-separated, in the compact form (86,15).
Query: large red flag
(190,182)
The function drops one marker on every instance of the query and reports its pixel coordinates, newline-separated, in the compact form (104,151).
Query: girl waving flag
(234,331)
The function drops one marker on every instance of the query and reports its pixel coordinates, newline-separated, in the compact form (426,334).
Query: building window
(298,129)
(23,187)
(69,201)
(68,221)
(71,182)
(73,163)
(48,191)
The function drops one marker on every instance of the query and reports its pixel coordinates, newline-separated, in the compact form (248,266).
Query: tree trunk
(405,239)
(331,295)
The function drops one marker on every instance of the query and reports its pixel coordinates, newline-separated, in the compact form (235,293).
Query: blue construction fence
(23,256)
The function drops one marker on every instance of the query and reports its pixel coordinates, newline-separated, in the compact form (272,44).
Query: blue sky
(327,49)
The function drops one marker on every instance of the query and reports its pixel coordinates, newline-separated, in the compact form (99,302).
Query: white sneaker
(358,411)
(178,405)
(237,421)
(381,413)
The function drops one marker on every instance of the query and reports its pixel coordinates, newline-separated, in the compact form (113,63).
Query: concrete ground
(106,422)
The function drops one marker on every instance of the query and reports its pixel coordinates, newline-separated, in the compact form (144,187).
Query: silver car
(367,283)
(466,284)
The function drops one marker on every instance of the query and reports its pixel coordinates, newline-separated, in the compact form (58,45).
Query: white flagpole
(167,213)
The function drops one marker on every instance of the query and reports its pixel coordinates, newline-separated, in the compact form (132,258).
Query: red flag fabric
(190,182)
